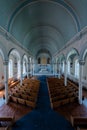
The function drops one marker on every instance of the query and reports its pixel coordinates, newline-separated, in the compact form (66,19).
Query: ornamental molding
(78,37)
(10,38)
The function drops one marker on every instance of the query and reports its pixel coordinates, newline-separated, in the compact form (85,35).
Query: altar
(43,70)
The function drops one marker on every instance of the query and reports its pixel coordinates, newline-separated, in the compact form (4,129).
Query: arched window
(39,60)
(1,69)
(48,60)
(10,68)
(24,67)
(19,69)
(68,67)
(76,68)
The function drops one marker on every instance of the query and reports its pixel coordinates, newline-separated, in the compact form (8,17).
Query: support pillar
(53,68)
(6,80)
(81,63)
(59,65)
(21,64)
(27,70)
(65,74)
(33,67)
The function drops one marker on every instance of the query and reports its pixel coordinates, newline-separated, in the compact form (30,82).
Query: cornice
(76,38)
(10,38)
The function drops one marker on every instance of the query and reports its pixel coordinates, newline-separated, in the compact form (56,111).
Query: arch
(60,63)
(39,60)
(60,2)
(3,52)
(25,57)
(48,60)
(77,68)
(71,57)
(61,58)
(25,65)
(83,52)
(54,36)
(15,51)
(29,59)
(72,51)
(41,51)
(15,56)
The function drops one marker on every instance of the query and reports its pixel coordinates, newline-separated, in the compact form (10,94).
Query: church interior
(43,64)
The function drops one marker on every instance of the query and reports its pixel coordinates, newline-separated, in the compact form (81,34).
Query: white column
(81,63)
(65,74)
(27,69)
(6,80)
(53,69)
(59,65)
(21,65)
(30,68)
(33,68)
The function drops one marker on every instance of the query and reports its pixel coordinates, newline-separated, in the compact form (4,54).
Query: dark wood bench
(79,122)
(6,122)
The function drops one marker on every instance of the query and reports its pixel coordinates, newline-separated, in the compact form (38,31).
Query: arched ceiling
(43,24)
(42,51)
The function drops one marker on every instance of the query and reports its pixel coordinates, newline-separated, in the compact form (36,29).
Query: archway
(3,61)
(61,62)
(25,65)
(14,64)
(72,63)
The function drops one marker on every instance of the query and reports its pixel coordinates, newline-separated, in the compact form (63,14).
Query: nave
(43,117)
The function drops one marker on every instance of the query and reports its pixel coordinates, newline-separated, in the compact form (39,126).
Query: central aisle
(43,117)
(43,102)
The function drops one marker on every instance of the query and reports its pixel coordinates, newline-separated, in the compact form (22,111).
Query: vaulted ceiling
(43,24)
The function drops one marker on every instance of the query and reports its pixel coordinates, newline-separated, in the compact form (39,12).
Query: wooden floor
(13,109)
(74,109)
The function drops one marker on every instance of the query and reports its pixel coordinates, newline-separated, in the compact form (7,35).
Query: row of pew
(25,94)
(6,122)
(12,82)
(60,94)
(79,122)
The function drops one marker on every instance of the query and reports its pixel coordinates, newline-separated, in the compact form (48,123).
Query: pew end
(79,122)
(6,122)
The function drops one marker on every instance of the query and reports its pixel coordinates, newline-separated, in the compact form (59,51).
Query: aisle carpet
(43,117)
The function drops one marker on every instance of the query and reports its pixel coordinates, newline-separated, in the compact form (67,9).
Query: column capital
(81,62)
(5,62)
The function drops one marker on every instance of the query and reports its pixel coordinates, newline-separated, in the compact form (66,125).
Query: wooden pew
(79,122)
(6,122)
